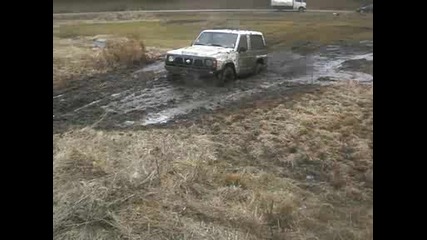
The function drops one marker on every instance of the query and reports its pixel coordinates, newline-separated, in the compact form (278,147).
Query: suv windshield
(227,40)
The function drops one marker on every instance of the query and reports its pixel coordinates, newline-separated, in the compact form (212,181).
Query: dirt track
(142,97)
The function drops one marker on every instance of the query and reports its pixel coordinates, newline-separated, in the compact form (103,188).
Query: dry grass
(74,58)
(122,52)
(297,168)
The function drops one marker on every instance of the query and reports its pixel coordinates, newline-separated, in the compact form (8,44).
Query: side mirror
(242,49)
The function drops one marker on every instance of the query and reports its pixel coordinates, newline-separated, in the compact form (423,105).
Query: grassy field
(177,30)
(295,167)
(291,168)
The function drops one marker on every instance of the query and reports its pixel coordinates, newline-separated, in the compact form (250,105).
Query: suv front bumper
(191,71)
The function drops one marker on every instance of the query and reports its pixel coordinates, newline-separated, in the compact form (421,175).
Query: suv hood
(201,51)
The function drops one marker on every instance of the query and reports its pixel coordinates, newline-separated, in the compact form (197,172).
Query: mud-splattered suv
(225,54)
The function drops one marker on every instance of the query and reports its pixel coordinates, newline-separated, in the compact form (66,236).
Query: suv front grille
(190,62)
(178,60)
(198,62)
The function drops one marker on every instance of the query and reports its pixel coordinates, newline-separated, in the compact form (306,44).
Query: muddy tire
(259,68)
(227,75)
(301,9)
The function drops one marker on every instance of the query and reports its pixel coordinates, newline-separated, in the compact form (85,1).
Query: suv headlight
(171,58)
(211,63)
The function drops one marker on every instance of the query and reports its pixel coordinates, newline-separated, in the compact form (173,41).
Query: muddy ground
(139,98)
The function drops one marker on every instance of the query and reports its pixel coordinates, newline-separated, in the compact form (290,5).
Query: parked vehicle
(296,5)
(366,9)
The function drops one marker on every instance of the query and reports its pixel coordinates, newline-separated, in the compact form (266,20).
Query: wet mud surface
(145,97)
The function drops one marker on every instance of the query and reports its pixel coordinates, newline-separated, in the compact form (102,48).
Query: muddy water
(152,99)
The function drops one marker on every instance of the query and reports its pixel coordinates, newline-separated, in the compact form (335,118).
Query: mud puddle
(146,97)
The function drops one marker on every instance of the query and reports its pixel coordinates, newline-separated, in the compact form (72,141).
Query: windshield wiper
(200,44)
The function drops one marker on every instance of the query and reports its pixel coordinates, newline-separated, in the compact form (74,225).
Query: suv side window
(243,42)
(257,42)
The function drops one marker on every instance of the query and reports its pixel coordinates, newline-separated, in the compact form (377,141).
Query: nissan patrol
(224,54)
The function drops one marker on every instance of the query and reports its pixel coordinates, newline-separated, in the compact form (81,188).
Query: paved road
(196,10)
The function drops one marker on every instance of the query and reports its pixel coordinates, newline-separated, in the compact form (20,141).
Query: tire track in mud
(146,97)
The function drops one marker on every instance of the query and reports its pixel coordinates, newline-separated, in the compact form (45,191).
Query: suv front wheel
(227,75)
(259,68)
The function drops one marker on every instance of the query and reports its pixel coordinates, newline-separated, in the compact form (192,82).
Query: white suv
(225,54)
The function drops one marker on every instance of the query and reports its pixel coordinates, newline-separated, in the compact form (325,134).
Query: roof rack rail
(225,28)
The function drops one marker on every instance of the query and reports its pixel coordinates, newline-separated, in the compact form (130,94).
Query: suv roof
(233,31)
